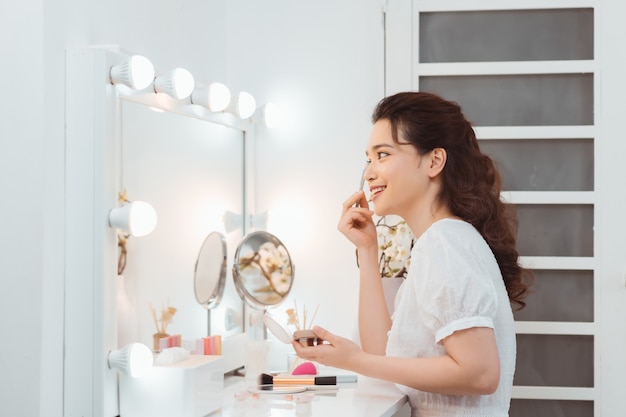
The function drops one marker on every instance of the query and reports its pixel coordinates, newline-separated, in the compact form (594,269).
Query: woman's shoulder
(452,236)
(451,228)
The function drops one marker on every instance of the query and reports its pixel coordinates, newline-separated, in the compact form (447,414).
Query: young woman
(451,344)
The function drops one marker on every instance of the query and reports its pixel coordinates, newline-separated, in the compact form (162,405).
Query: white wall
(321,60)
(22,166)
(328,81)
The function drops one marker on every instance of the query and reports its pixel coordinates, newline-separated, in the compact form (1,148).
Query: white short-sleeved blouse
(453,283)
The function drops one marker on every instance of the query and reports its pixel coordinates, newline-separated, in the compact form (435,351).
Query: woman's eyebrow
(379,146)
(374,148)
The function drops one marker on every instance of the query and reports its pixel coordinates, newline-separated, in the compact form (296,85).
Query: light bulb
(215,96)
(142,218)
(137,218)
(246,105)
(272,116)
(134,359)
(178,83)
(243,105)
(136,72)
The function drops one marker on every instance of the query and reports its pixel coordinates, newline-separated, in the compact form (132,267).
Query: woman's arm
(374,321)
(470,367)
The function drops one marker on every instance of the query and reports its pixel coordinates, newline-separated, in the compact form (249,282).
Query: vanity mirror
(262,270)
(192,172)
(193,166)
(210,271)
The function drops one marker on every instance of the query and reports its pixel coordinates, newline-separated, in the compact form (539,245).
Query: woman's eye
(382,154)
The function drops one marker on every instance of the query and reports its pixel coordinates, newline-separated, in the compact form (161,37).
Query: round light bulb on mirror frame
(242,105)
(138,218)
(246,104)
(215,96)
(271,115)
(178,83)
(133,360)
(136,72)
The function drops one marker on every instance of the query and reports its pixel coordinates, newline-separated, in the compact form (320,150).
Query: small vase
(156,339)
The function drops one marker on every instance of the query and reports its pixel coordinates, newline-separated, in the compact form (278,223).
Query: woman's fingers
(356,223)
(358,197)
(324,334)
(351,214)
(355,214)
(334,351)
(363,200)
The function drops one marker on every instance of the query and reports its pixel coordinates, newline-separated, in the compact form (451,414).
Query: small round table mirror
(262,270)
(210,271)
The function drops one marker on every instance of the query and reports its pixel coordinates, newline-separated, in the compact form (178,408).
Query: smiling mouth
(375,192)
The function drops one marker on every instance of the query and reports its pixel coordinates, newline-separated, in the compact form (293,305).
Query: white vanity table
(367,397)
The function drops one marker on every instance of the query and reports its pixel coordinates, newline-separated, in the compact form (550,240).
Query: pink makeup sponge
(307,368)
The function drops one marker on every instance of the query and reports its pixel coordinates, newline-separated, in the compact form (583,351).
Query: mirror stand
(263,273)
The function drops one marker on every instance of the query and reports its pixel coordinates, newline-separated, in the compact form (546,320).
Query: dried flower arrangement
(167,316)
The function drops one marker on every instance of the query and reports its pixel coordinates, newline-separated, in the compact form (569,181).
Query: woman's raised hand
(356,221)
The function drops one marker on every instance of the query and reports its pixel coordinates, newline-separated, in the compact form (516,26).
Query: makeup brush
(266,379)
(362,183)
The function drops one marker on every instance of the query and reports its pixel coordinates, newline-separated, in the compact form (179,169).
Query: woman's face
(397,175)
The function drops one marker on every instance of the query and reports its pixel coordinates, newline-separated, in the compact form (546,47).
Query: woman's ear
(438,158)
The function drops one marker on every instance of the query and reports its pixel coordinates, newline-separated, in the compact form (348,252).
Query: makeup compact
(282,333)
(307,338)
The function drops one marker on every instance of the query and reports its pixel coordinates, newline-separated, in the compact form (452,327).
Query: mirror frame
(91,186)
(240,286)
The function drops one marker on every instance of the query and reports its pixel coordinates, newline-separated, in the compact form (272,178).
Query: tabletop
(368,397)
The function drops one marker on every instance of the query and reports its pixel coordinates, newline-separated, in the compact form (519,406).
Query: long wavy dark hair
(471,183)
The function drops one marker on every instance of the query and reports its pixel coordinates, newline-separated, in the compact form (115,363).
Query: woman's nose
(368,172)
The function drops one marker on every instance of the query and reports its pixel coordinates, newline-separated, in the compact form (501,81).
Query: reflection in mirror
(262,270)
(210,272)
